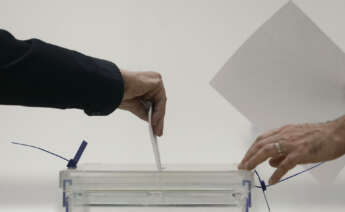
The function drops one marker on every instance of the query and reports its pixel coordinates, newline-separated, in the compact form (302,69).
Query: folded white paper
(154,140)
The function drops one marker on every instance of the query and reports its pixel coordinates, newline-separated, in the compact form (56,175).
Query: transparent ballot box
(177,188)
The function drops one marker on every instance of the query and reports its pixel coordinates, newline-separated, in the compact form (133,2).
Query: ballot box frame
(66,181)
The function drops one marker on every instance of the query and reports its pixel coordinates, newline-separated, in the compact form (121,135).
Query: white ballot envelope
(154,141)
(287,72)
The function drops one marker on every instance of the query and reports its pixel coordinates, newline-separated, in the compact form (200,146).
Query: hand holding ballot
(140,87)
(69,79)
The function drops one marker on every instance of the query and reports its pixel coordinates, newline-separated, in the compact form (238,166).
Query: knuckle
(283,166)
(285,138)
(287,127)
(283,128)
(260,145)
(266,149)
(158,75)
(160,81)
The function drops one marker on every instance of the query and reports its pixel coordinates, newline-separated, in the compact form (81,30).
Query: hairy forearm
(338,134)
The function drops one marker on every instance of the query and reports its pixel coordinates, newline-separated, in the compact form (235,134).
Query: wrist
(125,82)
(338,133)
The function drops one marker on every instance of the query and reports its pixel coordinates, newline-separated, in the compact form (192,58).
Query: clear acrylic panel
(98,187)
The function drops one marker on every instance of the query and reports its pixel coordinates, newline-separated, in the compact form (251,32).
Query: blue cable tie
(39,148)
(72,164)
(263,185)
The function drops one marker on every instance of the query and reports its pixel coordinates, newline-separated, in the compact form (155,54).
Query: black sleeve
(35,73)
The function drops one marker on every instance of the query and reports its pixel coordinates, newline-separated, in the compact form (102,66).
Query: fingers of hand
(147,86)
(288,163)
(140,84)
(158,97)
(274,162)
(273,138)
(268,151)
(159,111)
(251,150)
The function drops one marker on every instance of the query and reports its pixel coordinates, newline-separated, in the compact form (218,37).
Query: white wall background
(188,42)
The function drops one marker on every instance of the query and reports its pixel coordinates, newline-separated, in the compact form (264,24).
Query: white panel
(288,71)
